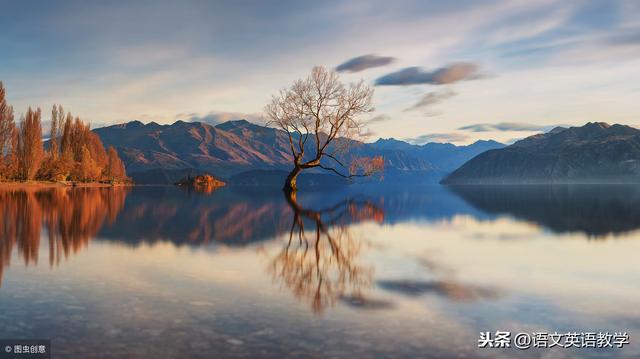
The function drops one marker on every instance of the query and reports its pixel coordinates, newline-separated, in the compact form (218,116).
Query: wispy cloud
(379,118)
(364,62)
(508,126)
(217,117)
(438,137)
(430,99)
(529,24)
(626,38)
(444,75)
(578,56)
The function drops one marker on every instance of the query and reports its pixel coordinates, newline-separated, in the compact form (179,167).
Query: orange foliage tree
(74,152)
(30,145)
(115,167)
(7,130)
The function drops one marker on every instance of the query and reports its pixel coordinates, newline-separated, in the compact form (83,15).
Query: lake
(367,271)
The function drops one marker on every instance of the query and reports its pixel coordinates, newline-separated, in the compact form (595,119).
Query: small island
(201,183)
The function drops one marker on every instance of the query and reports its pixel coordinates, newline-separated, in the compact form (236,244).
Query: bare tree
(57,122)
(326,112)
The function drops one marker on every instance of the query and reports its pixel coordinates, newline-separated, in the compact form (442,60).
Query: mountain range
(594,153)
(155,153)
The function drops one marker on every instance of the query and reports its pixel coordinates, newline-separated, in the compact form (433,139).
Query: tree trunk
(290,182)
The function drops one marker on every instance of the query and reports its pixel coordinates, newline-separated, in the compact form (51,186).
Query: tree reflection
(71,217)
(319,261)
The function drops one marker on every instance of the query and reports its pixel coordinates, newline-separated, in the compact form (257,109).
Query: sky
(444,71)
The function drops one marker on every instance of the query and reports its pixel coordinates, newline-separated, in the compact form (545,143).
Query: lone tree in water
(324,111)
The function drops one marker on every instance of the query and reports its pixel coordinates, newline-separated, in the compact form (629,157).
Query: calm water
(371,271)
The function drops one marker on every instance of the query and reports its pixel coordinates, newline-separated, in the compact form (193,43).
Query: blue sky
(445,71)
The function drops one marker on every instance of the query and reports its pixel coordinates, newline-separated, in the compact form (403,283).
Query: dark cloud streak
(445,75)
(364,62)
(379,118)
(430,99)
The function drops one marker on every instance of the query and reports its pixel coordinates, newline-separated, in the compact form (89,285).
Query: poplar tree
(30,144)
(7,126)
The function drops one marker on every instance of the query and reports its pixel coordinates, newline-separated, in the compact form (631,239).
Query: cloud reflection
(445,288)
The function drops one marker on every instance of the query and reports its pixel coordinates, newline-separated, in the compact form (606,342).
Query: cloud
(438,137)
(217,117)
(364,62)
(431,98)
(530,24)
(627,38)
(379,118)
(445,75)
(511,141)
(508,126)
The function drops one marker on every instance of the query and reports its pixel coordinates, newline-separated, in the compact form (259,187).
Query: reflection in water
(361,302)
(72,217)
(450,289)
(319,261)
(183,217)
(202,188)
(594,210)
(187,267)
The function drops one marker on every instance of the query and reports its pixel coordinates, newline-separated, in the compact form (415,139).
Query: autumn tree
(326,112)
(115,168)
(74,151)
(82,151)
(12,162)
(89,168)
(30,144)
(53,168)
(65,141)
(7,129)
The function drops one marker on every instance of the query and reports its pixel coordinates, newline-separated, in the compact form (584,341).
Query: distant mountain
(594,153)
(444,157)
(223,150)
(448,157)
(155,153)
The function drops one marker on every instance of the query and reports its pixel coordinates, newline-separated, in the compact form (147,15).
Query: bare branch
(322,107)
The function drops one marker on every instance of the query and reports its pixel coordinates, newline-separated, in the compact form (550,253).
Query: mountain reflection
(71,217)
(593,210)
(155,214)
(319,261)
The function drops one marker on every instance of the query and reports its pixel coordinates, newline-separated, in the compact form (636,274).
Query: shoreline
(47,184)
